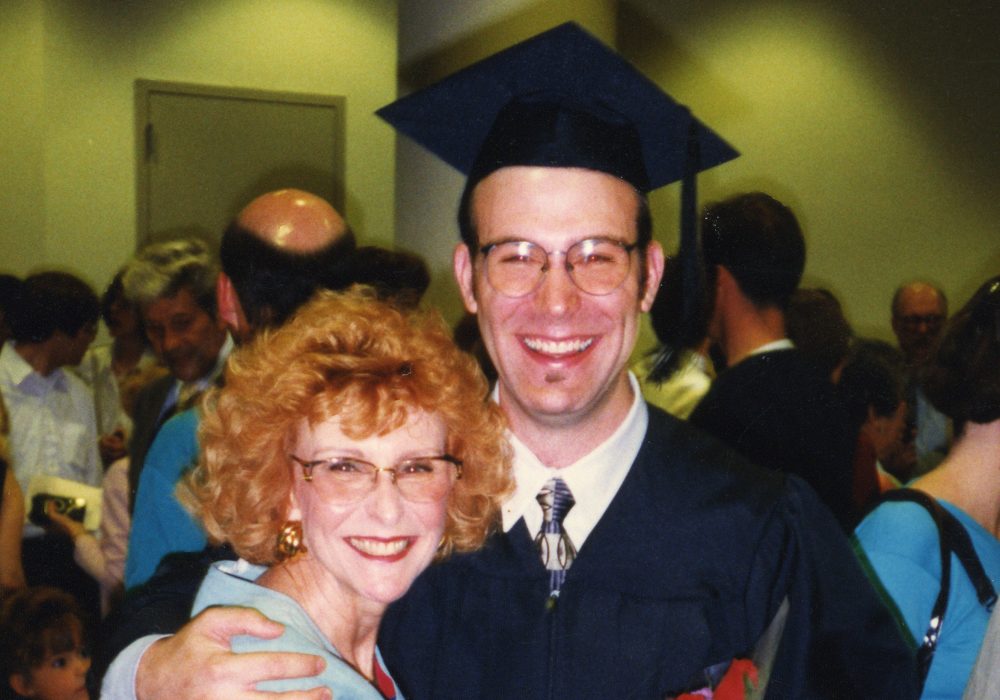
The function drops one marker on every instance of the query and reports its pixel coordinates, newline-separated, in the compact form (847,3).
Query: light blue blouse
(900,540)
(233,583)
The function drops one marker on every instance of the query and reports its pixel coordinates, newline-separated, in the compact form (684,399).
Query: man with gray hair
(173,284)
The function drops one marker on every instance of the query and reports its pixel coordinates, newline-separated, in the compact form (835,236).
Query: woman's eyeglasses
(348,479)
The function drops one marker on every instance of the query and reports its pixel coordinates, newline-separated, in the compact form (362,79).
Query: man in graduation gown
(665,555)
(770,404)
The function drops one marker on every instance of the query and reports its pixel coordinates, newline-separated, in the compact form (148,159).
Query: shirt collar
(593,480)
(24,377)
(783,344)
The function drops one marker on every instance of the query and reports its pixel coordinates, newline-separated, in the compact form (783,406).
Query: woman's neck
(969,477)
(351,624)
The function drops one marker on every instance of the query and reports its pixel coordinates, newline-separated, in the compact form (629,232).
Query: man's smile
(558,348)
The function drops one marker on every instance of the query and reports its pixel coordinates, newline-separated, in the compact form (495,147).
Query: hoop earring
(290,540)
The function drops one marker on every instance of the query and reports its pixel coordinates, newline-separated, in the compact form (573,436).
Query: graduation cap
(564,99)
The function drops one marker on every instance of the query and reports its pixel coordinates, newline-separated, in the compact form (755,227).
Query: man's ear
(654,273)
(725,284)
(230,309)
(21,685)
(872,417)
(463,267)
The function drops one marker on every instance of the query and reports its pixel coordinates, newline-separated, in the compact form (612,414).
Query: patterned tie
(553,544)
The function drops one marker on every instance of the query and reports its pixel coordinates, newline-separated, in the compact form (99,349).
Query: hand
(63,524)
(197,662)
(112,446)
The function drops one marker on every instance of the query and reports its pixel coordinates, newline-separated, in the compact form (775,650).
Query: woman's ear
(294,510)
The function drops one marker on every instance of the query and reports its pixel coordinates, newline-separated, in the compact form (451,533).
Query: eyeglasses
(912,322)
(597,266)
(347,480)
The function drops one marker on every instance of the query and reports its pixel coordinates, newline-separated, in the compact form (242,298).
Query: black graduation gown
(776,410)
(685,569)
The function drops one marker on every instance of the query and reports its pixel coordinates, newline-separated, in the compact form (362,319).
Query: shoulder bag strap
(925,653)
(952,537)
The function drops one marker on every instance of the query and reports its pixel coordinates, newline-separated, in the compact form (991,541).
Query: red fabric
(383,682)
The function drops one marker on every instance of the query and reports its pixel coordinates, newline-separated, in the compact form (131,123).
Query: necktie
(554,546)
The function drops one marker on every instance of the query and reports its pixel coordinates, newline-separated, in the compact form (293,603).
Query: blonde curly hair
(369,364)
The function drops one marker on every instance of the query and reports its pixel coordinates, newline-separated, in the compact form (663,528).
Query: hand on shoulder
(197,663)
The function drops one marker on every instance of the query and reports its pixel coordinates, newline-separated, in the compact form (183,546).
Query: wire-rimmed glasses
(349,479)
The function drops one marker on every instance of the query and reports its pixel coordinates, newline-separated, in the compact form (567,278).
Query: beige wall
(22,175)
(875,123)
(66,131)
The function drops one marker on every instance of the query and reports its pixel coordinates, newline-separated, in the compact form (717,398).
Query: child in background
(43,653)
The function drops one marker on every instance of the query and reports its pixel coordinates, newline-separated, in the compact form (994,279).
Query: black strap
(952,537)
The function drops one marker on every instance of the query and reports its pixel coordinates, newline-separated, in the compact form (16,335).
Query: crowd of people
(283,474)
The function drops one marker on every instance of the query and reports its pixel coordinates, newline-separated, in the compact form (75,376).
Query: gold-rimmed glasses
(349,479)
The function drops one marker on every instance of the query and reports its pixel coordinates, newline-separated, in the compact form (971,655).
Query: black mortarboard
(564,99)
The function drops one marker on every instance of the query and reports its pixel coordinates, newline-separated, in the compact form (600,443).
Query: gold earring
(290,540)
(444,546)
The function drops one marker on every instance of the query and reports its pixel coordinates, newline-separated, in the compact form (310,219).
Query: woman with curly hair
(902,540)
(348,450)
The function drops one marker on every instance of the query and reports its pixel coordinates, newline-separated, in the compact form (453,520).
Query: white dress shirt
(782,344)
(53,429)
(593,479)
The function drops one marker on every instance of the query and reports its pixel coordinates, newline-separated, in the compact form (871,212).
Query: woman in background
(900,539)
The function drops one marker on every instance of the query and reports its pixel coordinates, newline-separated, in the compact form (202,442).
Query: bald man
(279,250)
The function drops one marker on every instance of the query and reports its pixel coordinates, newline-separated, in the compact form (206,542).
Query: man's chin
(563,408)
